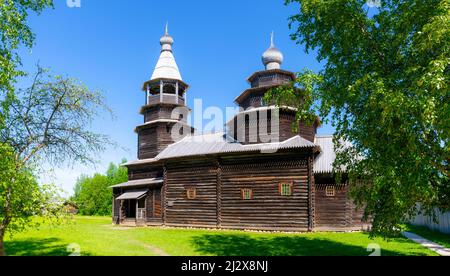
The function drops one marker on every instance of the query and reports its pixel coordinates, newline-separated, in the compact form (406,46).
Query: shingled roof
(216,143)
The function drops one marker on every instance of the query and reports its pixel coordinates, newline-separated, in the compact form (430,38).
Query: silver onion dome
(272,57)
(166,40)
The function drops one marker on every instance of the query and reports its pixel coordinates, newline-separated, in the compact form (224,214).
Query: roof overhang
(149,106)
(164,121)
(265,72)
(132,195)
(261,108)
(249,91)
(140,182)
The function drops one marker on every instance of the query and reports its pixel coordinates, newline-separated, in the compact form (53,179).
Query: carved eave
(161,121)
(149,106)
(251,91)
(153,162)
(273,71)
(156,82)
(284,108)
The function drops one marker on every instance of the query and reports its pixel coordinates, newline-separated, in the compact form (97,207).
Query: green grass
(96,236)
(437,237)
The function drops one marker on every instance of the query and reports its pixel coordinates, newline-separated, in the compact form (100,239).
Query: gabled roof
(324,161)
(216,143)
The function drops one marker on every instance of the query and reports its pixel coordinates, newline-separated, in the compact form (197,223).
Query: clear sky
(113,45)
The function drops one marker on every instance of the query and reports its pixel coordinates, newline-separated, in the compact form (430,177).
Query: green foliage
(47,123)
(22,198)
(50,121)
(14,32)
(93,195)
(385,88)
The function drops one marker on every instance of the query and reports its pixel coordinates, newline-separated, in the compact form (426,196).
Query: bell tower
(164,92)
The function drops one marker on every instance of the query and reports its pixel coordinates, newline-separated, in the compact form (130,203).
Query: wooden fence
(443,219)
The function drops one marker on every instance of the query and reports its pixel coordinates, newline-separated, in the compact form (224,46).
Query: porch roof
(140,182)
(132,195)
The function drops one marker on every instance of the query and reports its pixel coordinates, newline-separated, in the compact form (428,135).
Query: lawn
(95,236)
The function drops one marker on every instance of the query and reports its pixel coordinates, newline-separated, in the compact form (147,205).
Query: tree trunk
(6,220)
(2,246)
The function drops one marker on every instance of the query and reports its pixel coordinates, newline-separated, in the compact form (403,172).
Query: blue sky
(113,45)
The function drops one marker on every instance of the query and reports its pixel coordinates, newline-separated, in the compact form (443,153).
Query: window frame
(289,184)
(243,193)
(191,193)
(330,191)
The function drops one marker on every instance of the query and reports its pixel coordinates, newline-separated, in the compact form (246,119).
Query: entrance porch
(140,207)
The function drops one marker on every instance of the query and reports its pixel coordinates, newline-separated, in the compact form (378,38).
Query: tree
(93,194)
(14,32)
(25,199)
(385,88)
(47,123)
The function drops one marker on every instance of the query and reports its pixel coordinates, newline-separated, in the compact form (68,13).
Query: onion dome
(166,40)
(272,57)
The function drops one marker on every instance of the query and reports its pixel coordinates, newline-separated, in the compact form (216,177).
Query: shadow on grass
(243,245)
(37,247)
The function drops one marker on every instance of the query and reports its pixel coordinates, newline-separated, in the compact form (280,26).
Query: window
(285,188)
(191,193)
(330,191)
(247,194)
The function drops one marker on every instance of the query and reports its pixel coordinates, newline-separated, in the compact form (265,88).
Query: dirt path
(153,249)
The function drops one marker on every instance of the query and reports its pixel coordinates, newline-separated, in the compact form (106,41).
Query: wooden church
(231,179)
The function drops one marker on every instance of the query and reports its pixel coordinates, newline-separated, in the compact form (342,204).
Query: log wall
(268,209)
(116,206)
(337,211)
(249,132)
(149,205)
(143,172)
(154,139)
(158,112)
(180,210)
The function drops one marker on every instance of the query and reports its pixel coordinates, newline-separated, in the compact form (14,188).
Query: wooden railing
(167,98)
(140,213)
